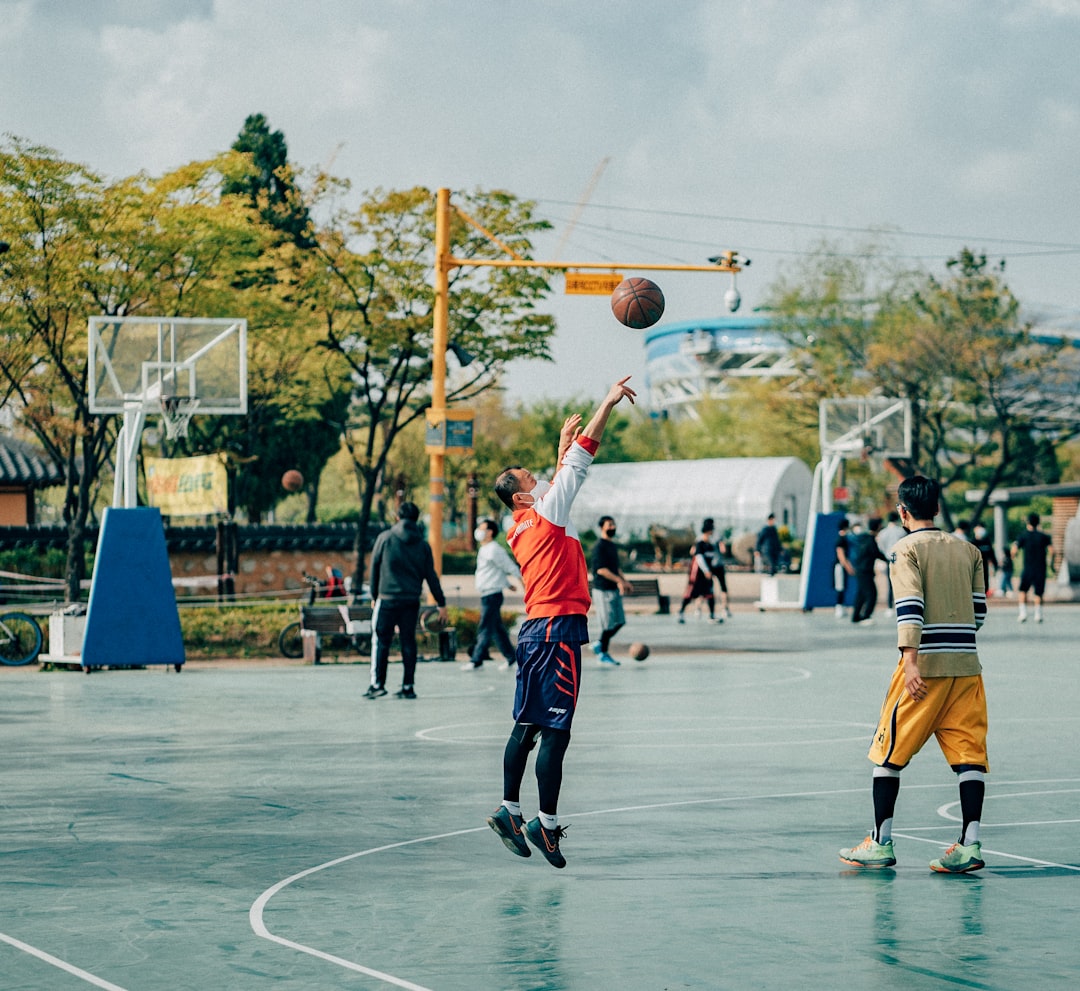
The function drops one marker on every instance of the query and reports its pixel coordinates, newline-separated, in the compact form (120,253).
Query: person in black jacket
(864,554)
(401,562)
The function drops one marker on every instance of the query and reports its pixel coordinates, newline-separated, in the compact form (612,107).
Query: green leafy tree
(82,247)
(980,387)
(372,289)
(270,185)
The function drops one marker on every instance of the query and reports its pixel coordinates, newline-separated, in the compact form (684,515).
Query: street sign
(592,283)
(449,432)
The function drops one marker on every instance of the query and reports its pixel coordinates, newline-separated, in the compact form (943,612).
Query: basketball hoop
(176,414)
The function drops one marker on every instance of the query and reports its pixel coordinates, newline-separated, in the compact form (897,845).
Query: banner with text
(188,486)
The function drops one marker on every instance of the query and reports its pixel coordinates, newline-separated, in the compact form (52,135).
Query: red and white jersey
(546,545)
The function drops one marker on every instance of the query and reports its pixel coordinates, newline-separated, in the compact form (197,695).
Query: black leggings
(549,762)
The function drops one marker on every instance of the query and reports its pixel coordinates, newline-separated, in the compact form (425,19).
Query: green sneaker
(869,854)
(960,859)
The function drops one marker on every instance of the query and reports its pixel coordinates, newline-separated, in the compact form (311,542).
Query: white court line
(57,962)
(996,853)
(258,926)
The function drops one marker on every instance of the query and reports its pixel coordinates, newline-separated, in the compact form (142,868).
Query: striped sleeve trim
(910,611)
(978,600)
(949,638)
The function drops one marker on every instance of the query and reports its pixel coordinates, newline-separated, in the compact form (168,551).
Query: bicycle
(20,639)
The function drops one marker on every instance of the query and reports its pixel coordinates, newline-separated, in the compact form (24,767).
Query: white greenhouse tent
(738,493)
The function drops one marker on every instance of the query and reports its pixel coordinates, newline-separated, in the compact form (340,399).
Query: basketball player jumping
(556,582)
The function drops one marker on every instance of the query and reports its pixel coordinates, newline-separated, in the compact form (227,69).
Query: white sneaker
(1038,616)
(839,612)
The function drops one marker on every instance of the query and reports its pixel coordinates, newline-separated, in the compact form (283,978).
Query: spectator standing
(556,580)
(887,541)
(1006,570)
(768,545)
(937,686)
(495,569)
(401,562)
(609,586)
(1033,544)
(843,571)
(981,539)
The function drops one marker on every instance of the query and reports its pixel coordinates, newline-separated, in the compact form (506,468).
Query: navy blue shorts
(549,670)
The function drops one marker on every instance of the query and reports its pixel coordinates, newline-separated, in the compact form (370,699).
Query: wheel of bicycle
(20,638)
(289,641)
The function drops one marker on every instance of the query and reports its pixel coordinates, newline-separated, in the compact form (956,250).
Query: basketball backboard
(144,362)
(866,425)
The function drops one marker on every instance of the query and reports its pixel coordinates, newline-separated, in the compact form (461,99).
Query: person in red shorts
(555,577)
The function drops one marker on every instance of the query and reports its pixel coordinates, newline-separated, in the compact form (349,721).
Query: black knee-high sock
(885,792)
(515,756)
(972,793)
(549,762)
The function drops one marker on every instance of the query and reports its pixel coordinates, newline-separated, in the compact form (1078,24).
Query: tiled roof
(20,464)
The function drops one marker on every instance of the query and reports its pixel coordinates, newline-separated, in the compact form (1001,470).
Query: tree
(270,186)
(954,346)
(372,288)
(82,247)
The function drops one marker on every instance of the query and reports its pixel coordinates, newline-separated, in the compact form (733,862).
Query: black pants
(865,597)
(402,615)
(491,629)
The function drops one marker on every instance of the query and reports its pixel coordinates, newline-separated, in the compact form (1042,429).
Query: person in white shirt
(886,541)
(494,570)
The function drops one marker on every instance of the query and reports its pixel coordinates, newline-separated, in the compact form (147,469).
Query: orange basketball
(637,303)
(292,481)
(639,651)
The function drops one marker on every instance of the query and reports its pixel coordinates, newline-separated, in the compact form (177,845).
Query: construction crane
(581,204)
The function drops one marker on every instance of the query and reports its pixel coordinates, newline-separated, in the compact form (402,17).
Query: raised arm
(594,429)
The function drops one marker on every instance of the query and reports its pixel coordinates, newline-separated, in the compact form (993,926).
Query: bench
(641,587)
(328,624)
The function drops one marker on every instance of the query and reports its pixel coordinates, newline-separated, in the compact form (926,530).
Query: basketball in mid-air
(637,303)
(292,481)
(639,651)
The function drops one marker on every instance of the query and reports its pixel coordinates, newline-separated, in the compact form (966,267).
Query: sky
(645,132)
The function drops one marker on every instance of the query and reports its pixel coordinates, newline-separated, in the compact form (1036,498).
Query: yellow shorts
(954,711)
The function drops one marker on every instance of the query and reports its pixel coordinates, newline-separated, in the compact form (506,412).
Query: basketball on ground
(292,481)
(637,303)
(639,651)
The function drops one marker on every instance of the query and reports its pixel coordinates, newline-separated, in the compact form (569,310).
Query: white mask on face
(541,489)
(480,532)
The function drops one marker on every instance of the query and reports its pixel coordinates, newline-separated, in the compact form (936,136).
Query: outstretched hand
(619,391)
(570,429)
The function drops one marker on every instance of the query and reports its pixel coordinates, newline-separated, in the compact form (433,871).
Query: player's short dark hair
(843,524)
(1033,519)
(604,519)
(506,485)
(707,525)
(409,511)
(921,495)
(488,525)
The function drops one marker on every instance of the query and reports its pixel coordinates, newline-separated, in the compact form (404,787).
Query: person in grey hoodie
(401,562)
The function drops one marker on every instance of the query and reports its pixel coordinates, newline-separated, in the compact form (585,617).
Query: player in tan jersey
(937,687)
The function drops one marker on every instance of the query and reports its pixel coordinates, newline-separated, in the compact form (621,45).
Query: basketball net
(176,414)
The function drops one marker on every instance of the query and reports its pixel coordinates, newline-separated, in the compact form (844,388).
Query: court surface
(260,826)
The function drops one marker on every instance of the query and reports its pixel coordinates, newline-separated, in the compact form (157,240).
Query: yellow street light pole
(440,341)
(728,262)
